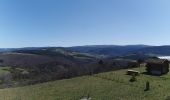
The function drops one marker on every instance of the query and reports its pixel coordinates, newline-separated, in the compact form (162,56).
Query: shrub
(133,78)
(101,62)
(167,98)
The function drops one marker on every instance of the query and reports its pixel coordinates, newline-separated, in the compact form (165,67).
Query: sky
(37,23)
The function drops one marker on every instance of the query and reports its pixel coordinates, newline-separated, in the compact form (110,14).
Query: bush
(101,62)
(167,98)
(133,78)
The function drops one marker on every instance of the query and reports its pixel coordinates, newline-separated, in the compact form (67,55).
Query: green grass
(105,86)
(4,70)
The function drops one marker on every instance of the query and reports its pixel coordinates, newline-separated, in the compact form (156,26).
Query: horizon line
(79,46)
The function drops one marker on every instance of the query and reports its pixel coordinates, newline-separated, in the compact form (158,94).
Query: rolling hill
(155,50)
(47,64)
(101,50)
(104,86)
(107,50)
(50,73)
(43,64)
(27,57)
(116,50)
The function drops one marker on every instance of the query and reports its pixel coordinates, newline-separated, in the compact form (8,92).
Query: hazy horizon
(80,46)
(42,23)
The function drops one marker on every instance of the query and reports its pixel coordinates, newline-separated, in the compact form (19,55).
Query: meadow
(113,85)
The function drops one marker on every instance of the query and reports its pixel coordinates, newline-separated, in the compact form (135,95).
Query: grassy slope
(105,86)
(4,70)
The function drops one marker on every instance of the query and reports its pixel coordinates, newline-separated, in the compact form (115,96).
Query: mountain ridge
(104,50)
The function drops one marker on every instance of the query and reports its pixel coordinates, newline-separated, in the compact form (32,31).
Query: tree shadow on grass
(146,73)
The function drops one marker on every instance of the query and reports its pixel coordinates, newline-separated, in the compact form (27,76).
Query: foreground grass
(4,70)
(105,86)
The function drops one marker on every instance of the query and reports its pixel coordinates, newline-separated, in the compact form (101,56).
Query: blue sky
(34,23)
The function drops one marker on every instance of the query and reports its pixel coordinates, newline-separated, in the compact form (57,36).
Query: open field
(4,70)
(105,86)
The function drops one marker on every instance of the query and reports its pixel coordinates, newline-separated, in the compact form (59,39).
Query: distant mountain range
(106,50)
(116,50)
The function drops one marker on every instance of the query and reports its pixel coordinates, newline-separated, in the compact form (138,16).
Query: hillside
(42,65)
(105,86)
(100,50)
(155,50)
(23,59)
(27,66)
(28,57)
(116,50)
(107,50)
